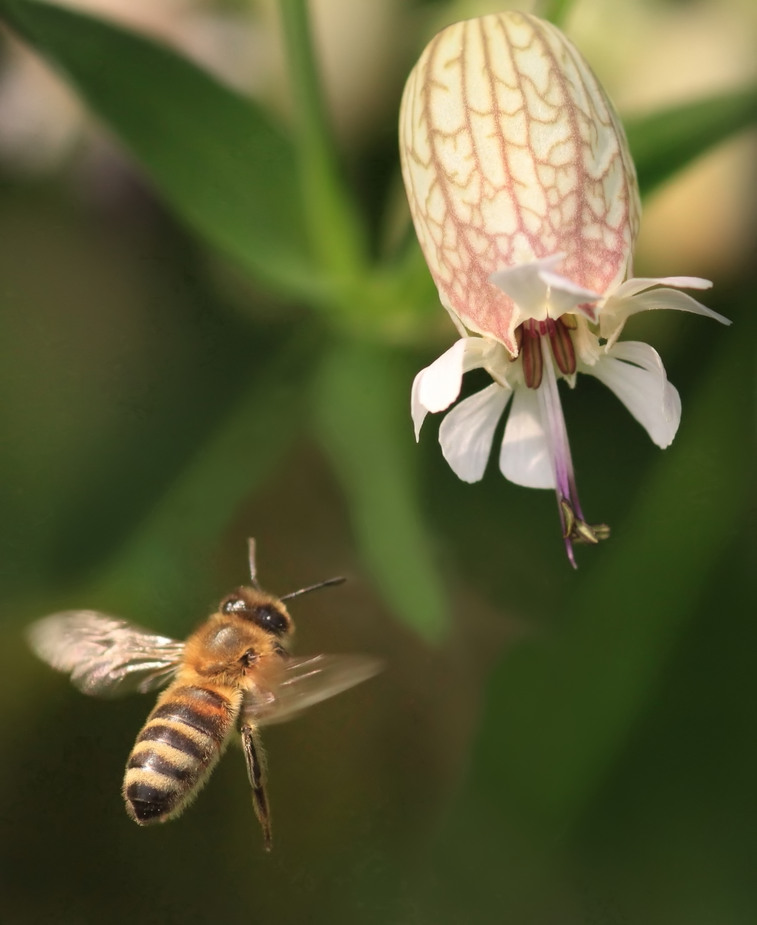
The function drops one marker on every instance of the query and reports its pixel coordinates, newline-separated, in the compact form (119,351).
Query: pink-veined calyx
(525,202)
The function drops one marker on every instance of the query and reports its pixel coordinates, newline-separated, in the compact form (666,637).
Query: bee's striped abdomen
(180,743)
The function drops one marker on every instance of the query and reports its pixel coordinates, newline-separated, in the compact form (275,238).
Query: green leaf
(185,527)
(363,422)
(665,142)
(556,11)
(327,202)
(215,157)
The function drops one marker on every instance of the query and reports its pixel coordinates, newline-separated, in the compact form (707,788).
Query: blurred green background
(191,356)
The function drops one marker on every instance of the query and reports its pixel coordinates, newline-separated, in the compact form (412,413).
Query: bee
(234,674)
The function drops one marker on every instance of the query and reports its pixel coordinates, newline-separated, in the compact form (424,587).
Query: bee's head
(264,611)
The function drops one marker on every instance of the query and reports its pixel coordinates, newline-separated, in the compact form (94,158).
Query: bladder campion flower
(525,203)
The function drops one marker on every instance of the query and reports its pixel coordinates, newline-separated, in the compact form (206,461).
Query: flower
(525,202)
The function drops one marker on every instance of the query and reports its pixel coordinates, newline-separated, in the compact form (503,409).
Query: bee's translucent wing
(303,682)
(105,656)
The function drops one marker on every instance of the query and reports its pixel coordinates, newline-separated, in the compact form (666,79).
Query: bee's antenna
(321,584)
(253,566)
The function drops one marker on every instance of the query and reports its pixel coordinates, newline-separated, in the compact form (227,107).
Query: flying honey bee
(234,673)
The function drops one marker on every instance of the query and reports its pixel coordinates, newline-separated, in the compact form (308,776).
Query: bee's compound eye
(234,604)
(270,619)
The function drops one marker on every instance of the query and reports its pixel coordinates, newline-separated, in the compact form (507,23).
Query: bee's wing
(105,656)
(306,681)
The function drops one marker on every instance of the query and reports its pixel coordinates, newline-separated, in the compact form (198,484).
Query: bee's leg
(255,758)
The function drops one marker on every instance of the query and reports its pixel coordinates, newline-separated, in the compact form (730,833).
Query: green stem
(334,226)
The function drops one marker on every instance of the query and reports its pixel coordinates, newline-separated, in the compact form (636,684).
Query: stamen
(578,531)
(574,527)
(570,321)
(531,353)
(562,346)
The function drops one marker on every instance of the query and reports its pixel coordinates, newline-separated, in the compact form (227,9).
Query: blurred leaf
(559,713)
(214,156)
(363,421)
(556,11)
(665,142)
(185,527)
(417,287)
(327,203)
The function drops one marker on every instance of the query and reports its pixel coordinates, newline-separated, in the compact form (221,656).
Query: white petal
(638,283)
(466,433)
(525,286)
(564,295)
(642,387)
(539,291)
(438,385)
(624,303)
(417,411)
(586,344)
(675,300)
(525,457)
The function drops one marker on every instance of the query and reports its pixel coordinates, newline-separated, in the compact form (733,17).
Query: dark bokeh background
(620,788)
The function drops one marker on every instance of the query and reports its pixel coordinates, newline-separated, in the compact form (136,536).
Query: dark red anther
(531,355)
(562,346)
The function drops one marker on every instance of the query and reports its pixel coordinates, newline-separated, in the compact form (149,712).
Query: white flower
(535,450)
(525,202)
